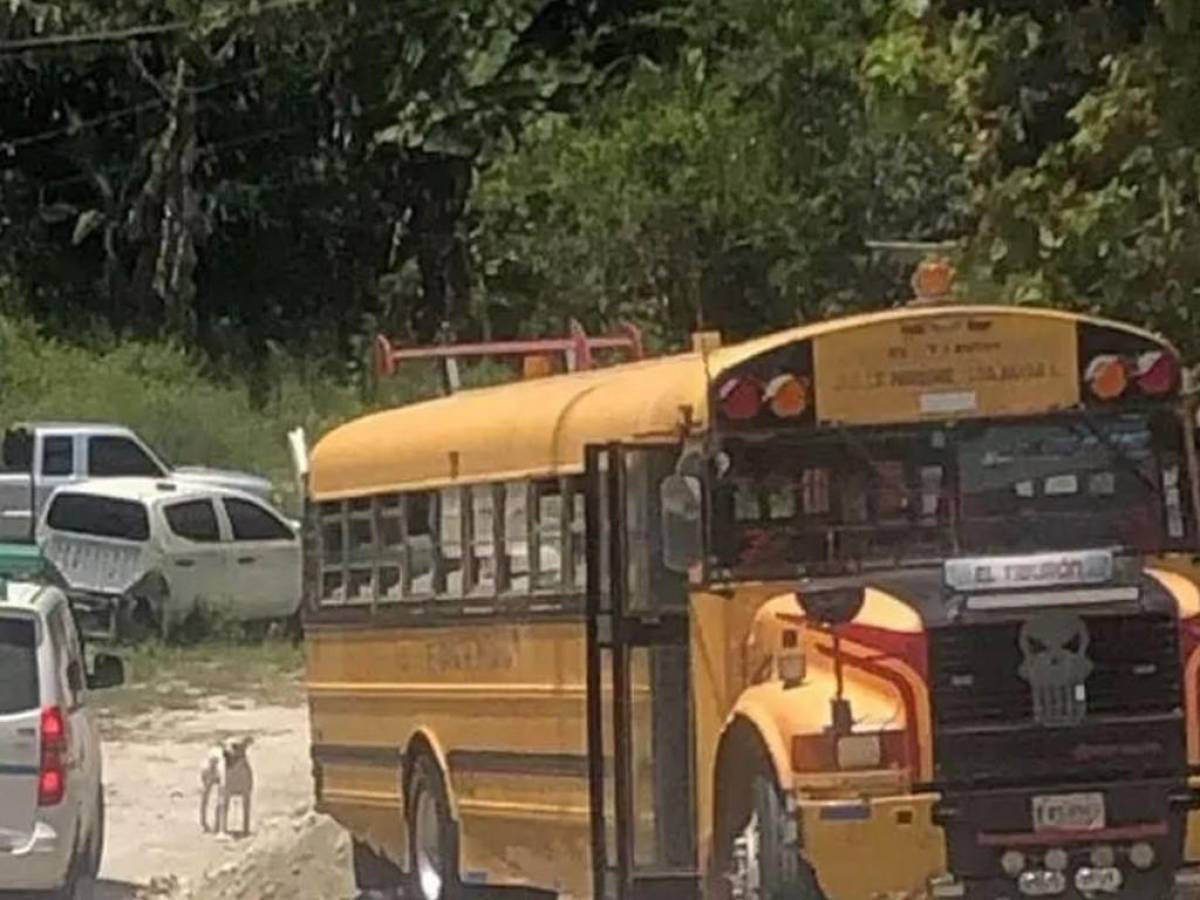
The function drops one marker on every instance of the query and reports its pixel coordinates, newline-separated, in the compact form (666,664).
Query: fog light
(1041,883)
(1013,863)
(1090,881)
(1141,855)
(1103,856)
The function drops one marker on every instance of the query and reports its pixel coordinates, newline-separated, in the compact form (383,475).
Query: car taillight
(52,775)
(886,749)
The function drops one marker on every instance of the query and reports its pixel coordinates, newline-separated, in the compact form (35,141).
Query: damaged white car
(141,555)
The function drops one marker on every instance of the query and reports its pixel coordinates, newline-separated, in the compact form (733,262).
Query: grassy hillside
(191,418)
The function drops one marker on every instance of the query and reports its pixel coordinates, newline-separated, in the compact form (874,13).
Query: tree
(1076,126)
(237,175)
(734,189)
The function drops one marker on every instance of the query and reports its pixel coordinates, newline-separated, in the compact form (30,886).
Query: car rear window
(99,516)
(18,665)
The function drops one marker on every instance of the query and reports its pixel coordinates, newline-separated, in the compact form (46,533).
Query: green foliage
(734,189)
(238,177)
(1076,125)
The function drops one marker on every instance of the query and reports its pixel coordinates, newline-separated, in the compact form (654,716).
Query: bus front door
(639,711)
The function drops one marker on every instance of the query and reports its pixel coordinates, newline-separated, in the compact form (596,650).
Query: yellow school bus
(896,604)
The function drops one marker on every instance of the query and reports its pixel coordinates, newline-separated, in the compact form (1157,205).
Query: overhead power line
(118,35)
(125,112)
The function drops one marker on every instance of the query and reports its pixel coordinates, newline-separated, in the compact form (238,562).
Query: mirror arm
(841,718)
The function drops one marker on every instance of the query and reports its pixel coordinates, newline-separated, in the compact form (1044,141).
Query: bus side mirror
(682,522)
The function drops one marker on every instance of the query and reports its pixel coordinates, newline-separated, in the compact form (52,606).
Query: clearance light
(933,279)
(1156,372)
(1107,376)
(787,395)
(741,398)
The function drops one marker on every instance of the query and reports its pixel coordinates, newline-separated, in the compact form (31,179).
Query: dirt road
(155,845)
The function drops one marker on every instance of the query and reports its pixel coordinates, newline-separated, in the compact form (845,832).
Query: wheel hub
(427,841)
(746,877)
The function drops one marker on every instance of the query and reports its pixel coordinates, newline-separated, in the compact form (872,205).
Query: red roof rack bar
(577,349)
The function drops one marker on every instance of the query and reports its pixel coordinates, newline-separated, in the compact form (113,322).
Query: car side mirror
(682,506)
(108,671)
(74,676)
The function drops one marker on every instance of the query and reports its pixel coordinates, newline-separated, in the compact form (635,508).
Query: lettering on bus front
(898,371)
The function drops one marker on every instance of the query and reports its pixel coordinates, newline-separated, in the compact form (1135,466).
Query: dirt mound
(307,858)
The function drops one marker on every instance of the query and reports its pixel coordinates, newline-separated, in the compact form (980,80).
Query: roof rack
(576,349)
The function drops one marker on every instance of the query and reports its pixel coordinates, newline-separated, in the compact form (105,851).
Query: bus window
(389,528)
(517,543)
(332,552)
(484,558)
(450,542)
(814,492)
(549,535)
(360,551)
(422,552)
(1035,485)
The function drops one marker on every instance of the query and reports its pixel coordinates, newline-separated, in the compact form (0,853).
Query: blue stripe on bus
(6,769)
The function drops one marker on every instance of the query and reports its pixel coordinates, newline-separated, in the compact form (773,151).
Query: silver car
(51,772)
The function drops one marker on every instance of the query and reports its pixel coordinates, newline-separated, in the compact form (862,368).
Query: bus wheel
(767,864)
(374,871)
(433,835)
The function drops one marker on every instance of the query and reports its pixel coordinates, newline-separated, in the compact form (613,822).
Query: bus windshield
(844,499)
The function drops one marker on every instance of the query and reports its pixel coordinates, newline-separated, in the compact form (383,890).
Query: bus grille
(976,674)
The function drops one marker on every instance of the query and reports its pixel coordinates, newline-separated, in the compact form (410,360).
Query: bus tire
(432,835)
(757,844)
(374,871)
(783,873)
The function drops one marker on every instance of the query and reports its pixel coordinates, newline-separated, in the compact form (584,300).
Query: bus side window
(453,519)
(331,519)
(361,551)
(421,545)
(548,532)
(519,539)
(485,559)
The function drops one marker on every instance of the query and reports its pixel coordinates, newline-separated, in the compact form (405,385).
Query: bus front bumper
(895,832)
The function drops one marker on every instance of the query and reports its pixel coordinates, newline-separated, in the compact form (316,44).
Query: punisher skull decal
(1054,648)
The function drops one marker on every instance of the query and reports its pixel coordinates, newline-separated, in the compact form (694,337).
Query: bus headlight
(859,751)
(887,749)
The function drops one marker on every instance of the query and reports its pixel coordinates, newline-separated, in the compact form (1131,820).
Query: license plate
(1068,812)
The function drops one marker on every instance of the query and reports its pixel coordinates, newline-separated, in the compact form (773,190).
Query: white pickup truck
(37,457)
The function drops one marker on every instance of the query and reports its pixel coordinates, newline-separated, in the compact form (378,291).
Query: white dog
(227,770)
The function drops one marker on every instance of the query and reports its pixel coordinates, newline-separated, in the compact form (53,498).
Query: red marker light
(1156,372)
(741,398)
(52,773)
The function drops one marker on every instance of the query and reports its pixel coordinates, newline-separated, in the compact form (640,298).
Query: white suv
(152,552)
(51,788)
